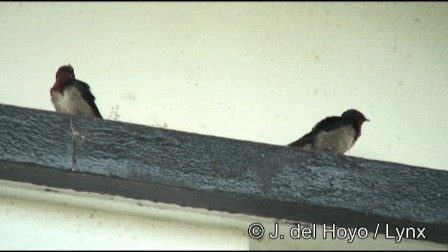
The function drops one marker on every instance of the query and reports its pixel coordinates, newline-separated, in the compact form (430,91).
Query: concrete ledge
(142,162)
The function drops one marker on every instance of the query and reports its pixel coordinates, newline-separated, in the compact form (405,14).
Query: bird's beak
(367,120)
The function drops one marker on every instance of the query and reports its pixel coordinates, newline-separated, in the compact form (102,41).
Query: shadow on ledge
(141,162)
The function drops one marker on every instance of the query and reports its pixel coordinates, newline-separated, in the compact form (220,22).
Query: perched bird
(71,96)
(335,134)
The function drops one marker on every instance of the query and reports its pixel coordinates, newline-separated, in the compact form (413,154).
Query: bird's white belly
(337,141)
(71,102)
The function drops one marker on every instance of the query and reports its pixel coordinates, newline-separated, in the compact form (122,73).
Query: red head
(357,116)
(64,73)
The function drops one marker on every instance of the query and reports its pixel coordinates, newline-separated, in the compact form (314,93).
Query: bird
(72,96)
(334,134)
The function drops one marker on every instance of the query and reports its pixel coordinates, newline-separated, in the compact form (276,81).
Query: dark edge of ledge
(219,174)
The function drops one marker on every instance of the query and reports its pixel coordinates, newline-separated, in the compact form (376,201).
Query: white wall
(32,217)
(259,71)
(38,217)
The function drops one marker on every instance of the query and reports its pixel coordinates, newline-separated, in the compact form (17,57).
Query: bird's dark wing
(84,89)
(306,139)
(327,124)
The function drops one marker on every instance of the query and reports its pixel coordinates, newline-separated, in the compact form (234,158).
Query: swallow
(334,134)
(72,96)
